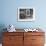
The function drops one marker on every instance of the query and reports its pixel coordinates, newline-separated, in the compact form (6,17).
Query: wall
(9,13)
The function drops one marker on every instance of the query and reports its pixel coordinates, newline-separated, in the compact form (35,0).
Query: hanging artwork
(26,14)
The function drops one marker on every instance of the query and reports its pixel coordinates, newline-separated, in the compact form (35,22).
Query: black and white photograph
(26,14)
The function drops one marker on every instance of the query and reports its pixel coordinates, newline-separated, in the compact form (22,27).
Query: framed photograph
(26,14)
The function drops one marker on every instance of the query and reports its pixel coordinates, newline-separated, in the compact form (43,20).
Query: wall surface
(8,13)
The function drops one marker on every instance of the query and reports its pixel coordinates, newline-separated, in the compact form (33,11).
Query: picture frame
(26,14)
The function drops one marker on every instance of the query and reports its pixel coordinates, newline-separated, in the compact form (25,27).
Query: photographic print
(26,14)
